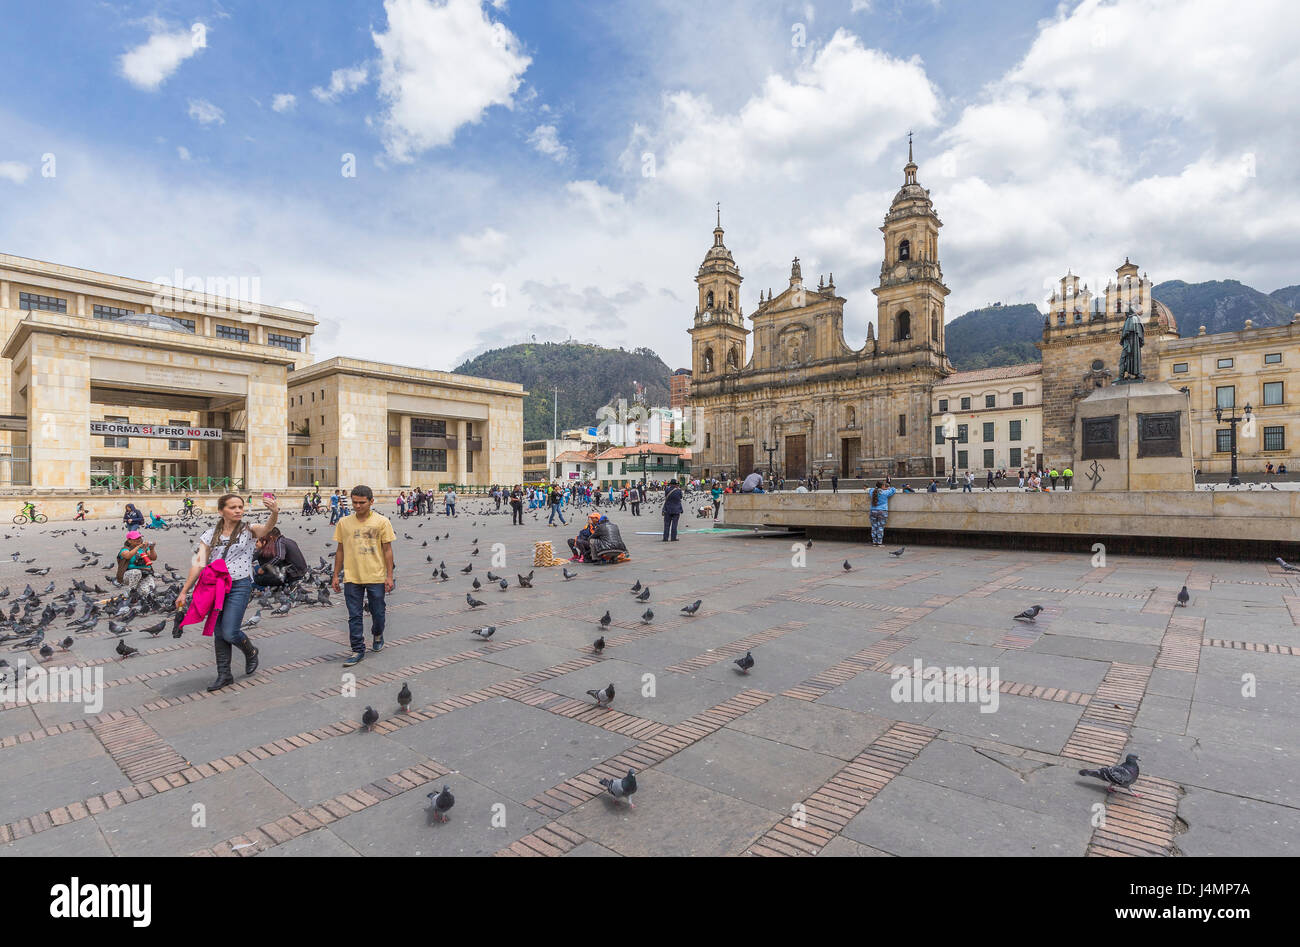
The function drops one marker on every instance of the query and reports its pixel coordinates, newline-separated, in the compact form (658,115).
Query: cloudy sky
(432,178)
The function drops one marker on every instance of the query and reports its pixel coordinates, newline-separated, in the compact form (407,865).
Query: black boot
(250,654)
(224,651)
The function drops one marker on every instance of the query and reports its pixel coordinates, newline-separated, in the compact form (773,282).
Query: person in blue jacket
(880,511)
(672,510)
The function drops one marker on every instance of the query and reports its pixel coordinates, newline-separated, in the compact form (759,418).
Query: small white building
(573,466)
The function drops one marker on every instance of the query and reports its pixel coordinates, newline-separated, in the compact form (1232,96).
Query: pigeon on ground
(493,578)
(692,609)
(124,649)
(504,584)
(468,569)
(1183,597)
(637,587)
(647,616)
(1271,487)
(599,644)
(440,803)
(404,699)
(477,585)
(602,697)
(369,718)
(605,619)
(485,633)
(567,574)
(622,788)
(475,552)
(847,567)
(898,552)
(524,581)
(46,652)
(473,602)
(645,595)
(45,571)
(1286,565)
(745,663)
(1029,614)
(1121,776)
(66,643)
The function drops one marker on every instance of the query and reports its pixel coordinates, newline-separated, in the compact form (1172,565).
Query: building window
(943,404)
(428,459)
(182,444)
(117,441)
(965,404)
(988,458)
(905,250)
(291,342)
(1272,393)
(1013,434)
(708,360)
(1275,438)
(111,312)
(903,326)
(622,468)
(469,461)
(1225,363)
(988,431)
(1223,441)
(1273,358)
(187,323)
(706,440)
(427,427)
(1015,457)
(1180,367)
(43,303)
(609,468)
(961,460)
(938,434)
(322,396)
(1225,396)
(902,425)
(990,401)
(1017,398)
(232,332)
(962,436)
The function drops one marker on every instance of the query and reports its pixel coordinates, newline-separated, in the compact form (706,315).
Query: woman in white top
(236,543)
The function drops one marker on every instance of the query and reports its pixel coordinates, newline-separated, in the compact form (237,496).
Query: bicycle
(190,512)
(21,519)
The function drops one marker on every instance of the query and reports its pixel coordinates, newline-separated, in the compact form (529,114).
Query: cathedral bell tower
(718,334)
(910,297)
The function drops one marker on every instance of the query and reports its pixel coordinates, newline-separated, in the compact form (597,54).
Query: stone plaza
(825,748)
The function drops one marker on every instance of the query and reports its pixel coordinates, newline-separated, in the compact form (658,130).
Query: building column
(58,414)
(266,420)
(462,448)
(404,423)
(146,471)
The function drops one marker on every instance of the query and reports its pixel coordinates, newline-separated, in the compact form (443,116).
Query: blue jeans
(355,594)
(232,611)
(555,511)
(670,525)
(878,518)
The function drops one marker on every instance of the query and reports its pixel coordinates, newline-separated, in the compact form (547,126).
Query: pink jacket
(209,595)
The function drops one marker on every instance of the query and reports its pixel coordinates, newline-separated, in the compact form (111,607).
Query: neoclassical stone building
(802,391)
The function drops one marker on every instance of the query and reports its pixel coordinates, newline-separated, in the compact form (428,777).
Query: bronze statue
(1132,338)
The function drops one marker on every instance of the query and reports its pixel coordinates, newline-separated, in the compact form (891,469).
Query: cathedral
(798,395)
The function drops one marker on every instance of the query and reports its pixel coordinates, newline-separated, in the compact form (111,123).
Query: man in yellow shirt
(365,548)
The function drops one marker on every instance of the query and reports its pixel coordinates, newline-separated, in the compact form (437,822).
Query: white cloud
(183,153)
(14,171)
(545,140)
(485,247)
(205,113)
(150,64)
(284,102)
(441,67)
(342,82)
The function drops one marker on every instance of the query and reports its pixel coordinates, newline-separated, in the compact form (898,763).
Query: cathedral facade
(797,395)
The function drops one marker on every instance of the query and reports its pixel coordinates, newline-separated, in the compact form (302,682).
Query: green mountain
(1220,306)
(588,376)
(1288,296)
(994,336)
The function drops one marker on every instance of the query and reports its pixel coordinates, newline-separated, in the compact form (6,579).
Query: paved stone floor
(810,753)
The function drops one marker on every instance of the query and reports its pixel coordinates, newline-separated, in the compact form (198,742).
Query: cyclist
(29,511)
(189,506)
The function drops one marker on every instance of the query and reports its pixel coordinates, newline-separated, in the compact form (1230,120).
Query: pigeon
(493,578)
(692,609)
(441,803)
(404,699)
(45,571)
(598,645)
(485,633)
(745,663)
(46,652)
(647,616)
(124,649)
(605,619)
(504,585)
(477,585)
(468,569)
(847,567)
(524,581)
(117,629)
(808,544)
(1121,776)
(1029,614)
(475,552)
(155,630)
(369,718)
(898,552)
(66,643)
(622,788)
(567,574)
(1286,565)
(637,587)
(602,697)
(645,595)
(473,602)
(1183,597)
(1271,487)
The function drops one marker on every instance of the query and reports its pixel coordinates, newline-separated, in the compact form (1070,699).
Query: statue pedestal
(1134,436)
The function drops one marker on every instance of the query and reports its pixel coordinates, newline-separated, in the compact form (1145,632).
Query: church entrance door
(849,452)
(745,461)
(796,457)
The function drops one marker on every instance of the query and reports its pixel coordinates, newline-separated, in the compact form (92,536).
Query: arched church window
(850,417)
(708,360)
(905,250)
(903,326)
(708,300)
(731,303)
(733,358)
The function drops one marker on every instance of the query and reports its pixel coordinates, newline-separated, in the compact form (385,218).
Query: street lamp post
(770,451)
(1233,421)
(952,474)
(643,456)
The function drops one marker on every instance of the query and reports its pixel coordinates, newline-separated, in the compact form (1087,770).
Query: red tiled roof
(617,453)
(574,457)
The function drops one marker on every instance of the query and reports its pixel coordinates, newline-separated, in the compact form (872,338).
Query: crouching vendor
(606,543)
(580,545)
